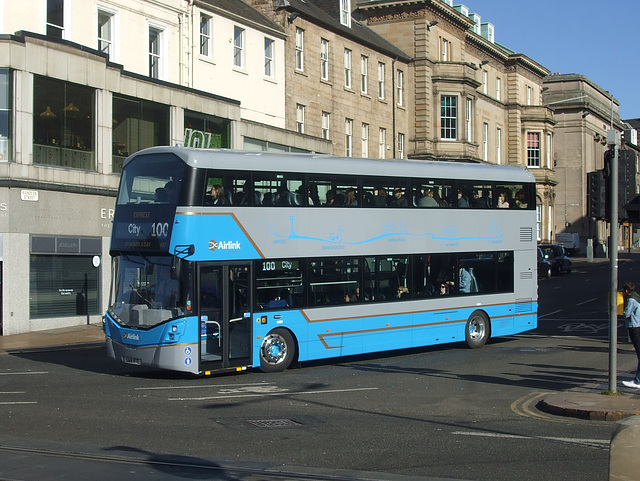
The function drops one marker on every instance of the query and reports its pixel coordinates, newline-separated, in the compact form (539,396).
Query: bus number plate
(132,360)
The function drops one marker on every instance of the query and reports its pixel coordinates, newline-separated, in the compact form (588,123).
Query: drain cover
(274,423)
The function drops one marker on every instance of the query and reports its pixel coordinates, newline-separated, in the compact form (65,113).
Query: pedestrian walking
(632,315)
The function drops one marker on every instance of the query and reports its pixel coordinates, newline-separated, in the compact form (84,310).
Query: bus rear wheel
(277,351)
(478,329)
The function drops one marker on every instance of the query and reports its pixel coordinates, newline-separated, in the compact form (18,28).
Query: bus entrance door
(225,316)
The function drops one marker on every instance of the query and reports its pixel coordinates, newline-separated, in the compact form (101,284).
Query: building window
(400,87)
(365,140)
(498,88)
(324,59)
(548,150)
(382,143)
(205,35)
(55,18)
(401,146)
(206,131)
(449,117)
(499,146)
(345,13)
(105,32)
(533,149)
(445,50)
(300,118)
(326,122)
(137,124)
(484,81)
(299,49)
(154,52)
(485,141)
(468,120)
(348,137)
(538,222)
(66,284)
(6,101)
(364,72)
(63,127)
(268,57)
(238,47)
(381,80)
(347,68)
(529,95)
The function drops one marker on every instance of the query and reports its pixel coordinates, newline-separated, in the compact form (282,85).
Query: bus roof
(329,164)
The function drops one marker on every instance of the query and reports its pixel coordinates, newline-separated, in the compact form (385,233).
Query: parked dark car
(557,255)
(544,265)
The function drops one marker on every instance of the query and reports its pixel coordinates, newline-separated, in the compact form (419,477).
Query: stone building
(472,99)
(345,83)
(584,112)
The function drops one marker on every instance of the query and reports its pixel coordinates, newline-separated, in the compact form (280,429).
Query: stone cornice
(417,9)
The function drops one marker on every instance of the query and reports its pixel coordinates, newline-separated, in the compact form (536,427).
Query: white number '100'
(160,229)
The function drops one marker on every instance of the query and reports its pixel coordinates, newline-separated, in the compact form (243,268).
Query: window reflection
(137,124)
(63,124)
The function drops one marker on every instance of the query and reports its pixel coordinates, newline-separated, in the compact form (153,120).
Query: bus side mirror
(180,252)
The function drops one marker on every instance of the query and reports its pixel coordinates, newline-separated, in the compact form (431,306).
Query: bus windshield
(146,293)
(152,179)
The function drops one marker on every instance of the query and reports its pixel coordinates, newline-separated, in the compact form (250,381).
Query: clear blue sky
(593,38)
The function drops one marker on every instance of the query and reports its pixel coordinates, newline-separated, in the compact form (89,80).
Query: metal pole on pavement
(613,140)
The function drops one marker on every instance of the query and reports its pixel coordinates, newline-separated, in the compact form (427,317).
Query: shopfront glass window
(63,122)
(137,124)
(5,115)
(206,131)
(63,286)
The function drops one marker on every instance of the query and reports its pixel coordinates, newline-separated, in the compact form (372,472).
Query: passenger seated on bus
(339,200)
(467,281)
(351,297)
(161,195)
(218,195)
(481,201)
(351,200)
(504,199)
(313,198)
(427,199)
(399,199)
(463,201)
(330,198)
(521,200)
(380,197)
(269,198)
(284,197)
(368,199)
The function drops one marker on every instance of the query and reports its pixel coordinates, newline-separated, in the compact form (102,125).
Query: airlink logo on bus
(128,336)
(224,245)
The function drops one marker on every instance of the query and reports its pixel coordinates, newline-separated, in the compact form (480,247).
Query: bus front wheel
(478,329)
(277,351)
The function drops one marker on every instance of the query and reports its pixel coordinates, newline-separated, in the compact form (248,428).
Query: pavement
(591,402)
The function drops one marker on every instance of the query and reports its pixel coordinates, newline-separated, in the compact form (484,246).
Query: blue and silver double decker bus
(228,260)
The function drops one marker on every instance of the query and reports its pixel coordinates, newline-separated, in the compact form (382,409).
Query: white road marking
(594,443)
(262,394)
(586,302)
(209,386)
(22,372)
(550,314)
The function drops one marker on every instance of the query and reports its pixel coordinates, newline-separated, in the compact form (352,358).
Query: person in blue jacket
(632,315)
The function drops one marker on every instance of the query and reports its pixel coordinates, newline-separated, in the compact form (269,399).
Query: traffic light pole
(613,140)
